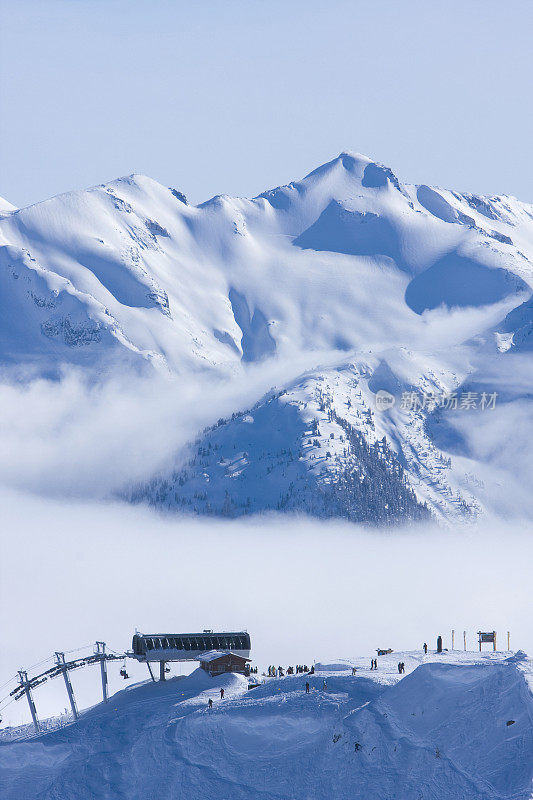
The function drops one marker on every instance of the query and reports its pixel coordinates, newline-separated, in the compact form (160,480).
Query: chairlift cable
(13,678)
(77,649)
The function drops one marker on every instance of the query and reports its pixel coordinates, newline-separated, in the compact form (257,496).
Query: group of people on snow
(279,672)
(401,667)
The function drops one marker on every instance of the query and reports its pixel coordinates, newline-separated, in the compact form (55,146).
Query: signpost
(487,637)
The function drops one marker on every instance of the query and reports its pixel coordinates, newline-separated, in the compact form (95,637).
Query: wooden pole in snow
(453,638)
(464,639)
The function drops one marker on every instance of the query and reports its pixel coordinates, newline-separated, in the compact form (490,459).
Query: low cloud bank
(79,438)
(75,438)
(72,573)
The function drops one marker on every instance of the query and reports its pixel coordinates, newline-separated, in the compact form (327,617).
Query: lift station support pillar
(162,670)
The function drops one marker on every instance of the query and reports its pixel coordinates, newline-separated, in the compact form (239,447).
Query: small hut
(217,662)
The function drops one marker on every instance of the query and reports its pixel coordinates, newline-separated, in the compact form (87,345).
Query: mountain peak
(136,180)
(347,160)
(355,166)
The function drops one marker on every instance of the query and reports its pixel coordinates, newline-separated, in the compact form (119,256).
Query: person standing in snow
(222,694)
(399,667)
(307,687)
(210,703)
(425,649)
(324,685)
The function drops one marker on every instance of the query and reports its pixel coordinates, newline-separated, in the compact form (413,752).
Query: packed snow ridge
(454,726)
(411,290)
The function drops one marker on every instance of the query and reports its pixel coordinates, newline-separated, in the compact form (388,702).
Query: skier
(371,664)
(354,670)
(307,687)
(425,649)
(210,703)
(400,667)
(222,694)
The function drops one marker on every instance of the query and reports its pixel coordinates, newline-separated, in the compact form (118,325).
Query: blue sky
(241,95)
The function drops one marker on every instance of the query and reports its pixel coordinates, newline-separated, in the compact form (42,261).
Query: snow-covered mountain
(455,726)
(346,258)
(407,289)
(319,445)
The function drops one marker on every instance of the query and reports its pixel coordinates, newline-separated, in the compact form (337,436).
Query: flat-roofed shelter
(217,663)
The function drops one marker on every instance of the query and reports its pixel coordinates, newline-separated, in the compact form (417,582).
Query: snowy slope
(414,288)
(456,726)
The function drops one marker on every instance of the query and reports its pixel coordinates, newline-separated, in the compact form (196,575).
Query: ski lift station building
(188,646)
